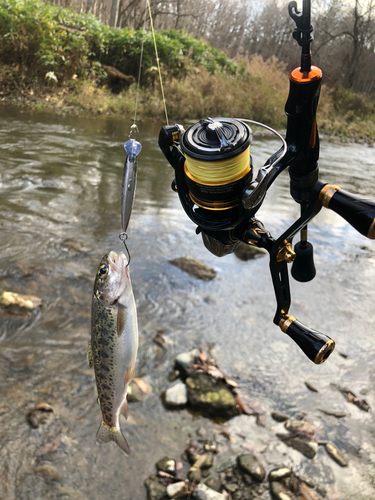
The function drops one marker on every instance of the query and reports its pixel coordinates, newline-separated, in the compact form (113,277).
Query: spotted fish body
(114,344)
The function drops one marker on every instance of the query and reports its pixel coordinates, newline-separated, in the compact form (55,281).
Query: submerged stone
(49,472)
(334,453)
(307,447)
(176,395)
(155,490)
(195,268)
(211,396)
(279,417)
(280,492)
(185,359)
(166,465)
(249,464)
(203,492)
(247,252)
(278,474)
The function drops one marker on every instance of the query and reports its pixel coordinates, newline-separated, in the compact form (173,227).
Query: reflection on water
(60,181)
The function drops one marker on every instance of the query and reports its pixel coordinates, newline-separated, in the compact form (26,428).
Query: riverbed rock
(333,413)
(175,489)
(214,483)
(49,472)
(19,304)
(40,414)
(279,417)
(300,428)
(167,465)
(311,387)
(211,396)
(249,464)
(247,252)
(185,359)
(173,375)
(279,474)
(139,389)
(203,492)
(155,490)
(176,396)
(308,447)
(280,492)
(194,268)
(334,453)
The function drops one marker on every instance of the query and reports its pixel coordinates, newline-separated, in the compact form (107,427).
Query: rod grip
(316,345)
(359,212)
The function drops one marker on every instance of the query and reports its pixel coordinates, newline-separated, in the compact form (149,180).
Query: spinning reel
(214,181)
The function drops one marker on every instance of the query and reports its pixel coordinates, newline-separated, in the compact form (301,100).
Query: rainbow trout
(113,347)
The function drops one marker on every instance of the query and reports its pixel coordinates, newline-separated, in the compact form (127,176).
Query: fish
(129,181)
(112,350)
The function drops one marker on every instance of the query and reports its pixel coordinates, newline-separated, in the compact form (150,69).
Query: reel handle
(359,212)
(316,345)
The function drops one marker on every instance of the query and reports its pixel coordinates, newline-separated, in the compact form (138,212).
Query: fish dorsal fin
(121,319)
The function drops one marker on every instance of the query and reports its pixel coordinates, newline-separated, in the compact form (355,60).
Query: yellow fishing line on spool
(217,173)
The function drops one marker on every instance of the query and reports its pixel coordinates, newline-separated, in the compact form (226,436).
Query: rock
(307,493)
(280,492)
(334,453)
(300,428)
(175,489)
(74,246)
(249,464)
(155,490)
(39,415)
(185,359)
(278,474)
(18,304)
(166,465)
(211,396)
(333,413)
(195,268)
(307,447)
(176,396)
(247,252)
(195,475)
(173,375)
(311,387)
(214,483)
(279,417)
(162,340)
(202,492)
(231,487)
(49,472)
(139,389)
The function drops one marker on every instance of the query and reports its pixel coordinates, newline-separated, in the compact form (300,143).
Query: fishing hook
(123,237)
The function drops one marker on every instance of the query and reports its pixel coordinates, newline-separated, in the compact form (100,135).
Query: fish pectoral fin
(90,357)
(129,374)
(106,434)
(121,319)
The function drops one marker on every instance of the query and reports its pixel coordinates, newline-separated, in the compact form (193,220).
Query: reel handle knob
(359,212)
(316,345)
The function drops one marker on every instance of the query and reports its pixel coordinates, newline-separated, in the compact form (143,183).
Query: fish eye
(103,270)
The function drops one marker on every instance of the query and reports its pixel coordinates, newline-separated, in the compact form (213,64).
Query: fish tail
(106,434)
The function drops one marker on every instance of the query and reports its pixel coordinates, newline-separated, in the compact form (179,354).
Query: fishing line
(134,126)
(157,61)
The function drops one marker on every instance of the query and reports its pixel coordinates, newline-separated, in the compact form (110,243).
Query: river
(60,180)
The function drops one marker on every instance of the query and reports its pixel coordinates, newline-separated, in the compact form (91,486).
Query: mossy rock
(211,396)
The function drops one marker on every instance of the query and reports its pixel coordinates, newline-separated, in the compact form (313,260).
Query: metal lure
(132,149)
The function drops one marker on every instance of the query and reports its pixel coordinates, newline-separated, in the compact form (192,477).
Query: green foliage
(39,38)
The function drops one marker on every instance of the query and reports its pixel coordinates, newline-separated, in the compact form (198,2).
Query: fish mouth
(117,262)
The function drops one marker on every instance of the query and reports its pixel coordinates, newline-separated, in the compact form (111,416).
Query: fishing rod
(214,181)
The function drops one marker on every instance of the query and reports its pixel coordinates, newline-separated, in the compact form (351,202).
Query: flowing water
(60,181)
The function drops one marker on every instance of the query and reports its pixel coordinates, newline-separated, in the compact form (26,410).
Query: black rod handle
(359,212)
(316,345)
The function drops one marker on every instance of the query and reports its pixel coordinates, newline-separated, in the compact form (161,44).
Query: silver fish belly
(129,181)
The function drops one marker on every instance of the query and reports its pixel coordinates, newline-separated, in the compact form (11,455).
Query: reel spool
(218,165)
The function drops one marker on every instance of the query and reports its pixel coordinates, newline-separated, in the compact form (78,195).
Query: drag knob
(316,345)
(359,212)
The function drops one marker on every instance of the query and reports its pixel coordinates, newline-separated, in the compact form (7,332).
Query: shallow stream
(60,181)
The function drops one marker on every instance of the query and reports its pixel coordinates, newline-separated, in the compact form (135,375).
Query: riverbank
(55,60)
